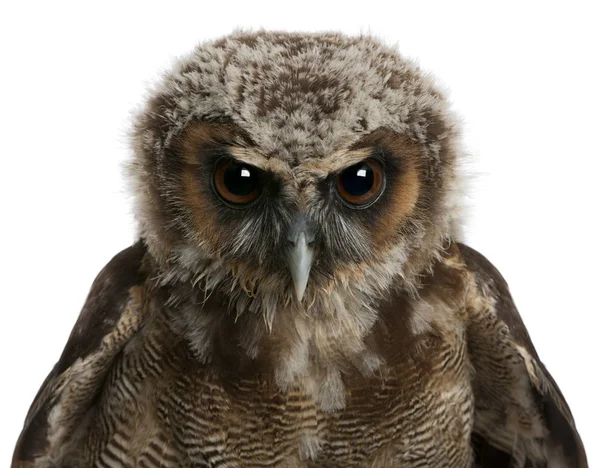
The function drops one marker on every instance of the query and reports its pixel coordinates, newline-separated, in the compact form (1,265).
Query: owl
(298,295)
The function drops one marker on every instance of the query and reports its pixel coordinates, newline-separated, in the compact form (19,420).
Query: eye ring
(361,185)
(236,183)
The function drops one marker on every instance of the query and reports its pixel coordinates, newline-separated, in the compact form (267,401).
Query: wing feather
(521,413)
(110,316)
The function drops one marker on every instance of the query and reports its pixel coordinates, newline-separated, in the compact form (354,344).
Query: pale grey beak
(300,254)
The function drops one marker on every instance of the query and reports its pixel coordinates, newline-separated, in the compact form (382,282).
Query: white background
(523,76)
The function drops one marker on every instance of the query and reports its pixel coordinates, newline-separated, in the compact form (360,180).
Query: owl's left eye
(362,184)
(236,183)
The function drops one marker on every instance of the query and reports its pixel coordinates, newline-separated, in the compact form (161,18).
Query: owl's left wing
(521,416)
(110,317)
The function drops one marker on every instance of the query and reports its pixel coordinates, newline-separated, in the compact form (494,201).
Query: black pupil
(239,179)
(357,180)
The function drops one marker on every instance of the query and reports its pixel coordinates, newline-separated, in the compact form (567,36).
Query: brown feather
(154,402)
(109,295)
(561,438)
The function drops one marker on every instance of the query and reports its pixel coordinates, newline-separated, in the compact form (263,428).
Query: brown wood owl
(298,296)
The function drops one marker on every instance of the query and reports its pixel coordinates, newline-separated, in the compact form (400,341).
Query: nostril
(303,237)
(301,231)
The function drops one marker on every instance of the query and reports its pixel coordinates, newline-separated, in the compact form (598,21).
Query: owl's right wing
(110,317)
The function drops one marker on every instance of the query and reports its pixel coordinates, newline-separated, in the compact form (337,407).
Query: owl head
(295,169)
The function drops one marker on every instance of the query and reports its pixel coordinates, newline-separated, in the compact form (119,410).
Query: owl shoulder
(521,415)
(109,318)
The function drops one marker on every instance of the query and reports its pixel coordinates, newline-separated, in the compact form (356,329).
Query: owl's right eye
(236,183)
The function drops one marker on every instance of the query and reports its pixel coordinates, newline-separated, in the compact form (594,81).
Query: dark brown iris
(237,183)
(361,184)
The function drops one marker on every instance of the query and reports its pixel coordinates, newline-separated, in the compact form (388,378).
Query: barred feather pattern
(162,412)
(449,368)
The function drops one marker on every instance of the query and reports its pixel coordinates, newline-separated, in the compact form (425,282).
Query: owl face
(311,219)
(292,166)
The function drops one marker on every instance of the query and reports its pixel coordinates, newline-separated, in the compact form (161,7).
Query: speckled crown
(298,96)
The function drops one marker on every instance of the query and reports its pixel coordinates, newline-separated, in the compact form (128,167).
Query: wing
(110,316)
(521,417)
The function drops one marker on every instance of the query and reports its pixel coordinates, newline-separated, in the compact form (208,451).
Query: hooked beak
(300,253)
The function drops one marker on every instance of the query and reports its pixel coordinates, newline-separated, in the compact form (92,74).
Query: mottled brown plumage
(198,347)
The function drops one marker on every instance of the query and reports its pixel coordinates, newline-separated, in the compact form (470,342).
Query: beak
(300,253)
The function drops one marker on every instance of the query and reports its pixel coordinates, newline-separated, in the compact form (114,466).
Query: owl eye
(361,184)
(235,182)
